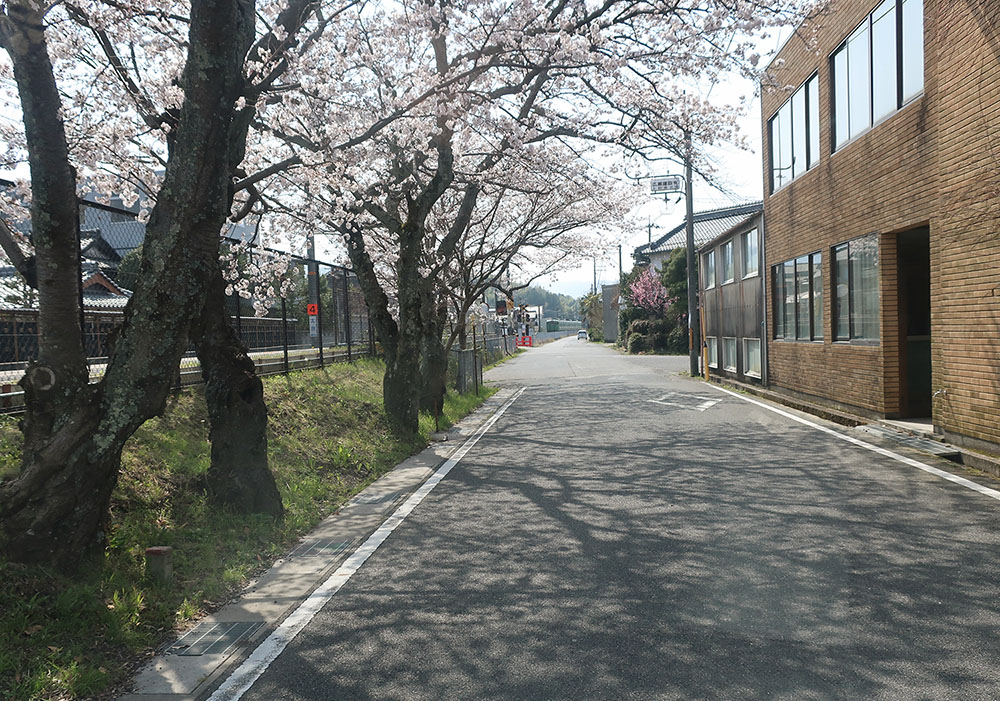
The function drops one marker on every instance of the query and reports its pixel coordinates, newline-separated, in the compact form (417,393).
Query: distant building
(883,213)
(707,226)
(610,303)
(732,300)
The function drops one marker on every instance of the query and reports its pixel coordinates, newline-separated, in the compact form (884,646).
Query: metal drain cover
(213,638)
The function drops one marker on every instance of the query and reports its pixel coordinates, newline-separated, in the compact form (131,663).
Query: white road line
(969,484)
(247,673)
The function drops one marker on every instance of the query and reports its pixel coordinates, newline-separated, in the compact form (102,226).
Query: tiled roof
(707,225)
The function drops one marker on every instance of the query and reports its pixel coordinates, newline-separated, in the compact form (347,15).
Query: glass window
(817,296)
(751,357)
(726,251)
(842,307)
(913,47)
(884,98)
(729,354)
(863,257)
(713,351)
(709,269)
(812,94)
(800,161)
(778,300)
(874,72)
(789,306)
(841,126)
(793,130)
(856,272)
(750,253)
(802,299)
(859,106)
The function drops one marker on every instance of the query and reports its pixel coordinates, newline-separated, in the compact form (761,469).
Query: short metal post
(319,316)
(347,314)
(284,333)
(475,359)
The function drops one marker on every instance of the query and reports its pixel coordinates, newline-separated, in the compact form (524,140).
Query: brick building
(882,212)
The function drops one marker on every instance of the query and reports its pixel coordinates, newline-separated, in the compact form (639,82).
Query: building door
(915,321)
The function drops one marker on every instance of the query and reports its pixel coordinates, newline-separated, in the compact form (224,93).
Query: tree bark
(53,510)
(238,477)
(433,354)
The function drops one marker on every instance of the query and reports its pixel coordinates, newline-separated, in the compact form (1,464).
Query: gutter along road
(625,532)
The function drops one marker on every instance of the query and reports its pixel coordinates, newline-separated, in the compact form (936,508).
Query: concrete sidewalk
(193,664)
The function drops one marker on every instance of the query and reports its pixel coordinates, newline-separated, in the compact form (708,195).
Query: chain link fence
(317,317)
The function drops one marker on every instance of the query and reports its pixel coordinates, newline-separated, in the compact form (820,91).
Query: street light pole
(694,335)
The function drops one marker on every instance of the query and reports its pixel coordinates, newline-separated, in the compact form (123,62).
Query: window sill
(776,190)
(860,135)
(750,275)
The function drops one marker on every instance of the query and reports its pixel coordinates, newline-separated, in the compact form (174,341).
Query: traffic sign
(312,309)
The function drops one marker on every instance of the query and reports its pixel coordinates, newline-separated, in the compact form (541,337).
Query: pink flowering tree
(648,292)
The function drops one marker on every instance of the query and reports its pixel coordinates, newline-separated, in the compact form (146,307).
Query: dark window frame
(852,337)
(812,160)
(779,294)
(901,102)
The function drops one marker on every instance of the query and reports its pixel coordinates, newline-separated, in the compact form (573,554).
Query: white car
(581,335)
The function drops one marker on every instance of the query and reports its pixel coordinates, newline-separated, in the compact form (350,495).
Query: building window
(750,254)
(794,134)
(709,269)
(856,275)
(878,68)
(798,298)
(726,253)
(729,354)
(751,357)
(713,351)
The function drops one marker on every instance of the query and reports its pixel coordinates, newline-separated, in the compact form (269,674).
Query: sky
(740,172)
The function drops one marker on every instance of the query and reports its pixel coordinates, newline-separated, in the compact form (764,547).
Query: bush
(626,315)
(638,343)
(596,335)
(639,326)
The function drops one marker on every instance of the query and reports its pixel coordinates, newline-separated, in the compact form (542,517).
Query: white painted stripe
(247,673)
(986,491)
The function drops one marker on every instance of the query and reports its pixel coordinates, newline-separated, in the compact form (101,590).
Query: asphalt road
(624,532)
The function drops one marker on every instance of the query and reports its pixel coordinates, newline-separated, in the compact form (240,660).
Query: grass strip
(80,637)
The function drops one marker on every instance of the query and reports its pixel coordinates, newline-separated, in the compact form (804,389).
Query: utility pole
(694,334)
(619,267)
(595,276)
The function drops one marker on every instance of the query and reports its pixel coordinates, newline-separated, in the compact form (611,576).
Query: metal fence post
(371,336)
(347,314)
(319,315)
(239,318)
(284,333)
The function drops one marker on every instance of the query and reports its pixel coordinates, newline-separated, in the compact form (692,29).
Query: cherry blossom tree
(178,138)
(647,292)
(484,85)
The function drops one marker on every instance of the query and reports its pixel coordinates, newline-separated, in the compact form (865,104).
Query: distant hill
(555,305)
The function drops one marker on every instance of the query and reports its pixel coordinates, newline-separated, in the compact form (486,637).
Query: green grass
(79,637)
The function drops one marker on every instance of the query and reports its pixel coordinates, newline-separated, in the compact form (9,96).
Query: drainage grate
(213,638)
(376,498)
(925,444)
(317,548)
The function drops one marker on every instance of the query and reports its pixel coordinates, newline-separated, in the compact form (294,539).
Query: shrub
(638,343)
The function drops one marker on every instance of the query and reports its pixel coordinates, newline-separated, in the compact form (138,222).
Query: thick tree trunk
(238,477)
(433,355)
(74,433)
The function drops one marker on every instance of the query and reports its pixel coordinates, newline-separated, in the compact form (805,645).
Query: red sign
(312,309)
(522,341)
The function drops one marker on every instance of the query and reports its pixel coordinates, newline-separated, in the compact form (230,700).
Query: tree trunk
(433,355)
(239,476)
(52,512)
